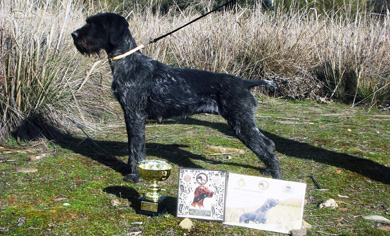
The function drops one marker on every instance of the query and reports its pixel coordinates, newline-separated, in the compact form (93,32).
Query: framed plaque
(201,194)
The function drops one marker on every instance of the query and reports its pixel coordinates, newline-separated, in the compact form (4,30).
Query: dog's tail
(265,83)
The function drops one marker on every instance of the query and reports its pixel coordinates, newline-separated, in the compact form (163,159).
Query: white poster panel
(264,203)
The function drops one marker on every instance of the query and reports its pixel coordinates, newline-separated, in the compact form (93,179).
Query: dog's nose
(75,35)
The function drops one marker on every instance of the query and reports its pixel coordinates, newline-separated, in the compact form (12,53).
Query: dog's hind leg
(135,125)
(241,120)
(262,146)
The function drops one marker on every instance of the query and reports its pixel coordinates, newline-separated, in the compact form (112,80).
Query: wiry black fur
(148,89)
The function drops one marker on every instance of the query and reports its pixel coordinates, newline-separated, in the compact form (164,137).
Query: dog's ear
(118,27)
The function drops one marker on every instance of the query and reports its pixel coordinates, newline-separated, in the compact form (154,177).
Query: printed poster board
(264,203)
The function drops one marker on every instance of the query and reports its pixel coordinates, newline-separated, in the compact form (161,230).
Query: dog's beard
(85,48)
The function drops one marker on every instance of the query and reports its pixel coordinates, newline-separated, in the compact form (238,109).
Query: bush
(39,71)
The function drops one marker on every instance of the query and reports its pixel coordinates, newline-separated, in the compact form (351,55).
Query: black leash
(200,17)
(169,33)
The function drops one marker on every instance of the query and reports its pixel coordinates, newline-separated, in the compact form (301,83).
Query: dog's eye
(88,21)
(88,25)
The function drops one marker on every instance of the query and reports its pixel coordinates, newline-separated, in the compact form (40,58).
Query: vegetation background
(318,49)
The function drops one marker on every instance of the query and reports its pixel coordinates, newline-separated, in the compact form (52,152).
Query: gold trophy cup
(152,203)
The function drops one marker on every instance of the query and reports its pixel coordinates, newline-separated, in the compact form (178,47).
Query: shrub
(39,71)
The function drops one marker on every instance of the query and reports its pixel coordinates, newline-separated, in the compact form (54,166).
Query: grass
(345,149)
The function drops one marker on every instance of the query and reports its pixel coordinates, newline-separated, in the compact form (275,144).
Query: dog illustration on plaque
(260,215)
(200,194)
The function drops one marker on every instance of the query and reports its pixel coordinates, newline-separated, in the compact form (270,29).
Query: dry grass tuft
(347,53)
(40,70)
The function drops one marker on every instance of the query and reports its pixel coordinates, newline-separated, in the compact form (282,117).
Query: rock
(186,224)
(135,233)
(306,225)
(379,219)
(298,232)
(115,202)
(330,203)
(26,170)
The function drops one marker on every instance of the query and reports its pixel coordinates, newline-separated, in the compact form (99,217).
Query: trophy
(152,203)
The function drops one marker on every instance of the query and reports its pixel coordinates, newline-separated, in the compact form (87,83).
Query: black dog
(148,89)
(260,215)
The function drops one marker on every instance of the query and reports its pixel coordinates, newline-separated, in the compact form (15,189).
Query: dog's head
(271,203)
(103,31)
(204,192)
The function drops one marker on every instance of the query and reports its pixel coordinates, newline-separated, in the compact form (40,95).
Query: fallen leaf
(137,223)
(36,157)
(384,227)
(60,199)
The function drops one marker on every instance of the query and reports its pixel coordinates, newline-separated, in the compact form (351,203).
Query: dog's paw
(132,178)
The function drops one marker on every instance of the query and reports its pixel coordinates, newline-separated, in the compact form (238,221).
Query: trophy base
(151,208)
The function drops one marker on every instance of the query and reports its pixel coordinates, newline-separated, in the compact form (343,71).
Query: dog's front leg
(135,125)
